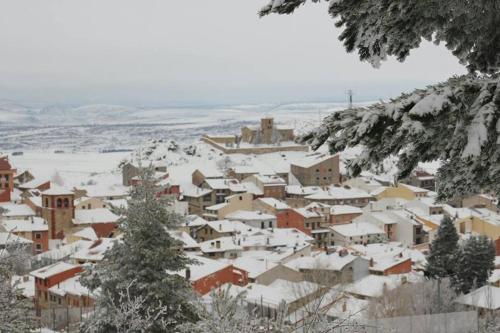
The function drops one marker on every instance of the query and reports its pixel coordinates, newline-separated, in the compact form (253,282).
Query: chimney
(344,306)
(371,262)
(217,244)
(188,274)
(220,226)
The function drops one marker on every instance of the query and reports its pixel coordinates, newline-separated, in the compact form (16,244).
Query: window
(38,247)
(59,203)
(262,225)
(66,203)
(270,224)
(89,206)
(38,235)
(46,202)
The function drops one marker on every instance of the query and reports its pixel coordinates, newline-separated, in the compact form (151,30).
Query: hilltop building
(266,138)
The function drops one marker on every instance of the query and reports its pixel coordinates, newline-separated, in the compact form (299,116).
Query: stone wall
(254,150)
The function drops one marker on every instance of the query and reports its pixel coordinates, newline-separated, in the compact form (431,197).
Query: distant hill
(19,114)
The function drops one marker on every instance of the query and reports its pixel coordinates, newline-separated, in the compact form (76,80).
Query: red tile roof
(4,163)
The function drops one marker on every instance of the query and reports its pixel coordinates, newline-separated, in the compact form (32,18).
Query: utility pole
(350,94)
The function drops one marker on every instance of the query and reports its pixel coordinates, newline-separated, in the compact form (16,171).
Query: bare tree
(317,299)
(427,297)
(127,315)
(16,312)
(228,314)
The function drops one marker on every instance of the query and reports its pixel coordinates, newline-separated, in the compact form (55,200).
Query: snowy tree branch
(456,122)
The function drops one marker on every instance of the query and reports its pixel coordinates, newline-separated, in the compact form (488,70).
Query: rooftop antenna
(350,94)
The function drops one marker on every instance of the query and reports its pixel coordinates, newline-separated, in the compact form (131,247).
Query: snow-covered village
(232,168)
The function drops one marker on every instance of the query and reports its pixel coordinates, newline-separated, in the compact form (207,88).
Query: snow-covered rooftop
(277,292)
(254,267)
(95,252)
(345,209)
(32,184)
(91,216)
(7,238)
(57,190)
(307,212)
(54,269)
(249,215)
(86,233)
(486,297)
(70,286)
(310,161)
(182,236)
(33,224)
(339,193)
(322,261)
(202,267)
(17,210)
(221,244)
(302,190)
(274,203)
(357,229)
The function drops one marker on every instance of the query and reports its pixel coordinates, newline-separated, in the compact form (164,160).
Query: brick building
(6,179)
(317,170)
(208,274)
(49,276)
(58,210)
(35,229)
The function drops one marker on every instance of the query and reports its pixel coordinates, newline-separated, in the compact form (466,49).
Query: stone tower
(266,126)
(58,210)
(6,179)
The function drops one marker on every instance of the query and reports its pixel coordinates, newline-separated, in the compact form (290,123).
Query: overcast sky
(161,52)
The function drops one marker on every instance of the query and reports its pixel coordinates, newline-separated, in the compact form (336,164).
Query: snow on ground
(94,127)
(74,169)
(82,132)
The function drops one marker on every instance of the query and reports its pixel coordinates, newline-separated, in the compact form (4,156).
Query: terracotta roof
(4,163)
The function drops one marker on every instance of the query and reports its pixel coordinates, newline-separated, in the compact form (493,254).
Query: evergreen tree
(441,260)
(475,261)
(137,266)
(457,122)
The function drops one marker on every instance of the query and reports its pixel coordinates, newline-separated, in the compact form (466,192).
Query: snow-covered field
(82,143)
(97,127)
(75,169)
